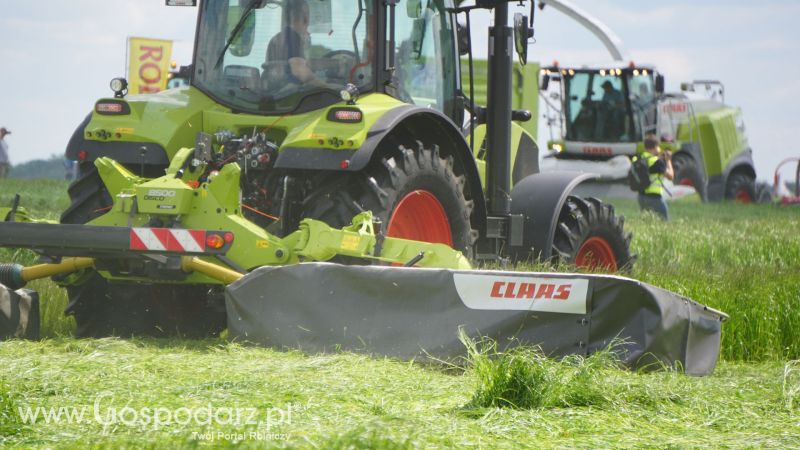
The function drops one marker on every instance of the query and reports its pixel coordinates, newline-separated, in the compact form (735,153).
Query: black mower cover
(19,314)
(411,312)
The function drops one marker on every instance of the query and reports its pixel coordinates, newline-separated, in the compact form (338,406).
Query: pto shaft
(15,276)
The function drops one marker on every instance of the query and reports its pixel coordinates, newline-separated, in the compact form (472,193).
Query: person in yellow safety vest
(660,164)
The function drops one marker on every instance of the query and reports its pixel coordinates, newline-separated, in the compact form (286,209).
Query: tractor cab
(613,108)
(272,57)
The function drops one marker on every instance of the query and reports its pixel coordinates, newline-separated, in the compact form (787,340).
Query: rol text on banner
(148,66)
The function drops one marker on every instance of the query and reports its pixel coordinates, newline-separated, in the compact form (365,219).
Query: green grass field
(744,260)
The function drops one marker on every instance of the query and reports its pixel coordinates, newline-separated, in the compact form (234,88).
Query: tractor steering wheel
(336,73)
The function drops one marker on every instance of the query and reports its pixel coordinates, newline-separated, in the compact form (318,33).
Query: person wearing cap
(660,164)
(610,116)
(4,163)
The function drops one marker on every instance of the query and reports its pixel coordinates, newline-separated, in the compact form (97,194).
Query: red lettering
(150,67)
(526,290)
(496,289)
(546,291)
(510,290)
(675,107)
(597,150)
(563,292)
(143,89)
(154,53)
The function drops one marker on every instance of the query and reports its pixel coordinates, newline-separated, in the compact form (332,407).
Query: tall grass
(741,259)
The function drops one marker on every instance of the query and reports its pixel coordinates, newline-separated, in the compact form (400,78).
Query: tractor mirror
(414,9)
(659,84)
(522,32)
(242,43)
(463,39)
(545,82)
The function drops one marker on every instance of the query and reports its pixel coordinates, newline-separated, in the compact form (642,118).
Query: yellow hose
(193,263)
(67,265)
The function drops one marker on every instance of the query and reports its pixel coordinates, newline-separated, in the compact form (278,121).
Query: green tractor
(330,109)
(596,134)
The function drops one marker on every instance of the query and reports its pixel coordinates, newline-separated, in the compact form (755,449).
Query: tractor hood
(141,129)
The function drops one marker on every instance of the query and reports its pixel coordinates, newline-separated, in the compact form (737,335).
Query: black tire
(741,188)
(688,171)
(101,308)
(382,185)
(584,223)
(88,196)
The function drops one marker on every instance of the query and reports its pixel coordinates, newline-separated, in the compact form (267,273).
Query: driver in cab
(287,51)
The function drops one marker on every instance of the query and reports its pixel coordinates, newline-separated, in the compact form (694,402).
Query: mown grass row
(741,259)
(345,401)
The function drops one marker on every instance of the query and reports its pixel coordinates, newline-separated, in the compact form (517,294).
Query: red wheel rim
(596,253)
(420,216)
(743,197)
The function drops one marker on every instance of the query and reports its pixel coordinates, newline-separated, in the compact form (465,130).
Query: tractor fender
(433,125)
(539,199)
(147,153)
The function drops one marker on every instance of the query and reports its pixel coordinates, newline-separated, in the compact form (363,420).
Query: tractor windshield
(277,57)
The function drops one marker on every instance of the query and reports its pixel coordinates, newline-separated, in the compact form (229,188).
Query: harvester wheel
(688,173)
(741,188)
(101,308)
(417,194)
(590,235)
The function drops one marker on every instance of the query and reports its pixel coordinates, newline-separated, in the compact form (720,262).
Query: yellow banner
(148,65)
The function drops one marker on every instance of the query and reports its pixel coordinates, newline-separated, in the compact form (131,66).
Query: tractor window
(425,55)
(279,56)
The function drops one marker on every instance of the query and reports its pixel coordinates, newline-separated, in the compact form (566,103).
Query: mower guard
(411,312)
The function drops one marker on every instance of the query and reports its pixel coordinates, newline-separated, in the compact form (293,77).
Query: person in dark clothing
(287,52)
(660,163)
(610,115)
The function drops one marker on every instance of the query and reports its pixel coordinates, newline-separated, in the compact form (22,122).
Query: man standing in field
(660,166)
(4,164)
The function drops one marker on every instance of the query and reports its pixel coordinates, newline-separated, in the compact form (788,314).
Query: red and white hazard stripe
(168,239)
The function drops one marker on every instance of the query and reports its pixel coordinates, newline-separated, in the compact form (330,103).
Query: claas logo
(549,291)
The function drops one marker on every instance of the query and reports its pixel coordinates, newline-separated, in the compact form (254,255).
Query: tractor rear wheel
(741,188)
(688,173)
(102,308)
(416,194)
(589,235)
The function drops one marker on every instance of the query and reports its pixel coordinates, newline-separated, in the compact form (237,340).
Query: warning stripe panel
(168,239)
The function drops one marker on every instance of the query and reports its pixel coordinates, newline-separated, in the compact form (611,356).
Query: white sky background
(57,58)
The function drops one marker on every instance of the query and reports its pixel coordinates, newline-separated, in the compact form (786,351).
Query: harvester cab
(600,116)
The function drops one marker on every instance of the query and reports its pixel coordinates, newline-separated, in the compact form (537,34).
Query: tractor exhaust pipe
(498,117)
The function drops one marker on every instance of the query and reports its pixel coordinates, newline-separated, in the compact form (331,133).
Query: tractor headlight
(119,86)
(349,93)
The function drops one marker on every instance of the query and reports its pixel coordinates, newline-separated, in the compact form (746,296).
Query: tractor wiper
(238,28)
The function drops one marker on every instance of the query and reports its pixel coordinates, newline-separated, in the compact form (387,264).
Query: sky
(59,56)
